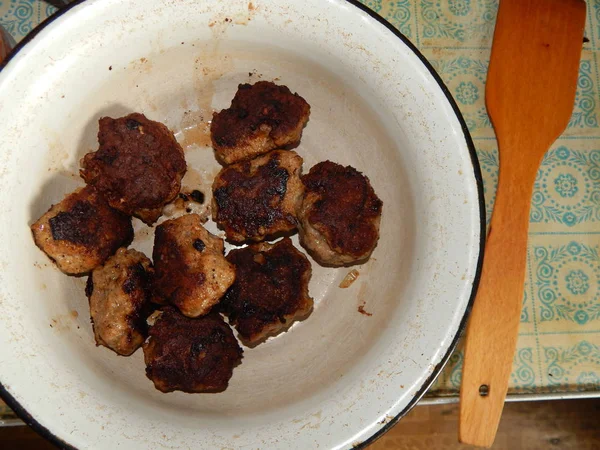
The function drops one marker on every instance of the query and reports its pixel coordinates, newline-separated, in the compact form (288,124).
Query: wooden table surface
(548,425)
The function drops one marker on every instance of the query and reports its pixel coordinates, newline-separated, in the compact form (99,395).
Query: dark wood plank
(556,425)
(548,425)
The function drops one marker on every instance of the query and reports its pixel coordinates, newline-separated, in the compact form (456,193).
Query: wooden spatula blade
(532,77)
(530,93)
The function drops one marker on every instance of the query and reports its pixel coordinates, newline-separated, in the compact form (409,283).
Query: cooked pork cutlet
(82,231)
(270,290)
(340,215)
(190,355)
(138,166)
(118,293)
(190,269)
(262,117)
(258,198)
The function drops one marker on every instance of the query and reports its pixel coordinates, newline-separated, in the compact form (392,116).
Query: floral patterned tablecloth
(559,340)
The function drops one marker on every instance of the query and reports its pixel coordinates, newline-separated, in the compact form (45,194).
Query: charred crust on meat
(266,107)
(132,124)
(172,274)
(262,116)
(119,301)
(79,225)
(199,245)
(347,209)
(269,185)
(82,231)
(270,290)
(190,270)
(89,287)
(136,278)
(250,202)
(138,166)
(190,355)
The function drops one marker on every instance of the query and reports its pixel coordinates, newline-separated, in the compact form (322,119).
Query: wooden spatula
(530,93)
(3,45)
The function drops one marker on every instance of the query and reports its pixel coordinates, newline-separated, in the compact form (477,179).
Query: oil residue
(195,129)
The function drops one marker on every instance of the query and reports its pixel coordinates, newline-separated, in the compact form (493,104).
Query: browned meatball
(81,232)
(190,269)
(190,355)
(340,215)
(270,291)
(118,293)
(138,166)
(258,198)
(262,117)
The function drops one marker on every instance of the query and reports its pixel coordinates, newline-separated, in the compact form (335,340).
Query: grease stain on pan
(142,65)
(64,322)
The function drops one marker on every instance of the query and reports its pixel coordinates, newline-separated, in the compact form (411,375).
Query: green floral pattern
(577,282)
(19,17)
(567,188)
(459,7)
(375,5)
(572,366)
(457,22)
(567,283)
(467,93)
(566,185)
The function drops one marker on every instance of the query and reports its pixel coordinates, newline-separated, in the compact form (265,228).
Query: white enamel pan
(368,352)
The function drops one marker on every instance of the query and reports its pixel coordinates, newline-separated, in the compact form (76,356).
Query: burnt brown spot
(197,196)
(199,245)
(137,286)
(191,355)
(79,225)
(136,279)
(89,287)
(132,124)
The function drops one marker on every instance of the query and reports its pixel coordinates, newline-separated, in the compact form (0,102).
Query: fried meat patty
(340,214)
(81,231)
(190,355)
(270,290)
(258,198)
(190,269)
(138,166)
(262,117)
(118,294)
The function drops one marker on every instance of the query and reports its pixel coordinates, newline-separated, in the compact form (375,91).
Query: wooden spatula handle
(489,351)
(3,46)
